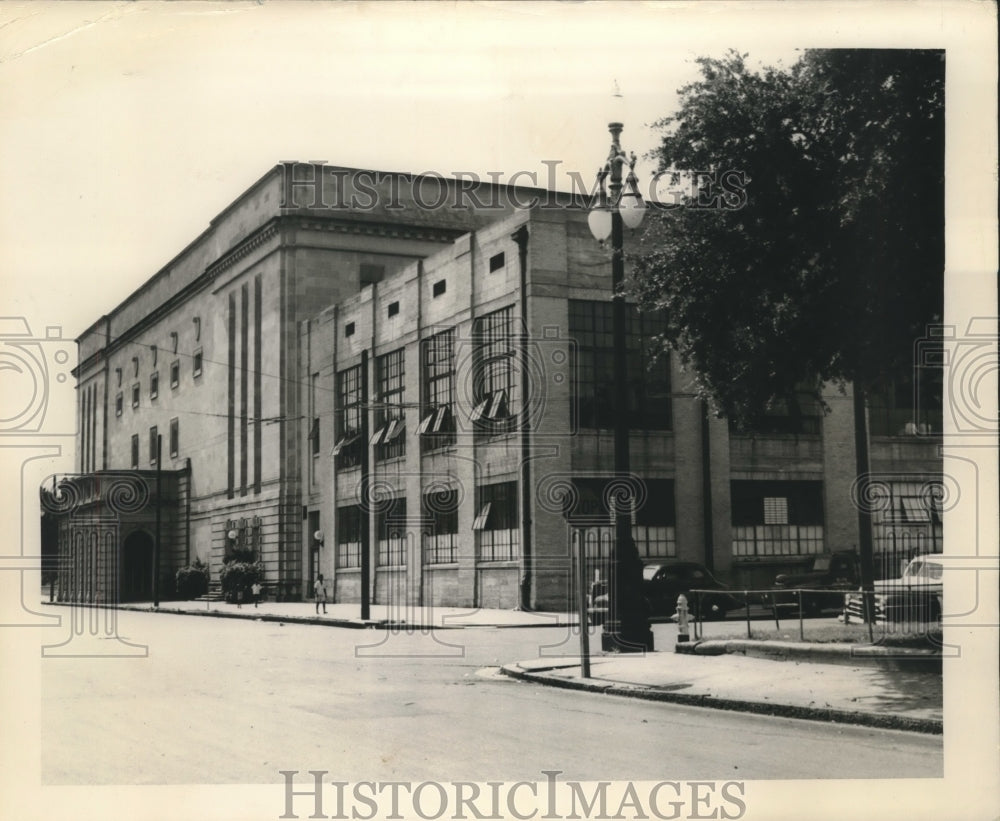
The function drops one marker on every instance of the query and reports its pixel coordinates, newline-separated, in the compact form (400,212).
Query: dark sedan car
(663,583)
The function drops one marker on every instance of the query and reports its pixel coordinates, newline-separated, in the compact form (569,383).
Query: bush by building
(239,572)
(191,580)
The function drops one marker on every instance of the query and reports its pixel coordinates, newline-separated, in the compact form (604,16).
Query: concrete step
(210,596)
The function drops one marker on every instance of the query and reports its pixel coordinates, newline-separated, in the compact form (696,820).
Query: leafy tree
(834,265)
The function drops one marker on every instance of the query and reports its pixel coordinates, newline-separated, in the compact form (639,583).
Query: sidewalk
(809,687)
(829,682)
(349,615)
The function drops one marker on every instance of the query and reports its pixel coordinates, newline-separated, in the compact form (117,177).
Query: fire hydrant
(682,618)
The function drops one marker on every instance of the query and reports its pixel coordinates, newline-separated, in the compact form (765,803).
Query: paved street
(235,701)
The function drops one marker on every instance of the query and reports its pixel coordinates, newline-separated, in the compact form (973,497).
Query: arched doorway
(137,567)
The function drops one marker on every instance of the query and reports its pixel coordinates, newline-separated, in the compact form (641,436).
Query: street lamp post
(156,543)
(627,626)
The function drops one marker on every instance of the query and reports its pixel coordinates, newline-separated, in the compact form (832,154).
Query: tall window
(347,449)
(154,384)
(774,518)
(349,523)
(648,375)
(801,413)
(493,378)
(653,524)
(153,436)
(909,406)
(175,373)
(135,451)
(437,423)
(392,527)
(390,421)
(497,522)
(314,437)
(440,543)
(175,437)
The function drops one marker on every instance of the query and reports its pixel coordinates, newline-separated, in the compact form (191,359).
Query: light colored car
(916,596)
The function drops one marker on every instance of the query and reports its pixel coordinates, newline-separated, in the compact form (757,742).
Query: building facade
(485,374)
(350,358)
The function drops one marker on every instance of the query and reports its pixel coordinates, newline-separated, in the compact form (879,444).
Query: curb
(892,657)
(356,624)
(649,693)
(352,624)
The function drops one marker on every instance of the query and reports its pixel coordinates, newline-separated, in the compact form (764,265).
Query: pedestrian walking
(255,588)
(319,588)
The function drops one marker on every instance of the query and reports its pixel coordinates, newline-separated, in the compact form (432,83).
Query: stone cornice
(357,227)
(242,250)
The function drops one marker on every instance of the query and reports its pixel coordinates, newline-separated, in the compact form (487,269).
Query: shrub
(237,576)
(191,580)
(240,554)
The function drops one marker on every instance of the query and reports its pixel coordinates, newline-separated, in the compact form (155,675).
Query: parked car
(914,597)
(664,582)
(834,572)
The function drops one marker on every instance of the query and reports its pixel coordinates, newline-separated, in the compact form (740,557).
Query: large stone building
(454,339)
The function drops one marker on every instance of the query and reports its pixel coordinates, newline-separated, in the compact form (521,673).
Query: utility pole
(863,465)
(365,487)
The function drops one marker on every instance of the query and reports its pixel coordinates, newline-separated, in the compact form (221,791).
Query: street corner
(809,687)
(541,665)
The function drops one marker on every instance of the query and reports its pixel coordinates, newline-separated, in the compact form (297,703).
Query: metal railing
(798,605)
